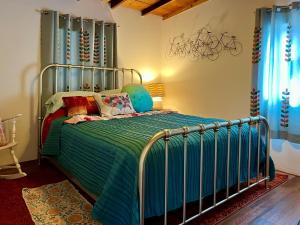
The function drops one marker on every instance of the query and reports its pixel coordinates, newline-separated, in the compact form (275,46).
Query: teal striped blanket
(104,156)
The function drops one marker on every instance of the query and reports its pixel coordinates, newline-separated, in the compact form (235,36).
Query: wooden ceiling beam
(115,3)
(189,6)
(154,6)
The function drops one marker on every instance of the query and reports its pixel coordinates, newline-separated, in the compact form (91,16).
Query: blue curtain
(275,90)
(75,40)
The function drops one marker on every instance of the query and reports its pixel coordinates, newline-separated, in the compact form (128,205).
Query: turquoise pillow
(140,97)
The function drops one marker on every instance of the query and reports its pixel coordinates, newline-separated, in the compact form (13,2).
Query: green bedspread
(104,156)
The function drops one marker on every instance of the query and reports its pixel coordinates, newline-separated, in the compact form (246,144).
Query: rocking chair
(7,142)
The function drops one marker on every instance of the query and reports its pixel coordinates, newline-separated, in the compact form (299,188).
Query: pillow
(140,97)
(109,92)
(55,102)
(92,107)
(114,104)
(75,105)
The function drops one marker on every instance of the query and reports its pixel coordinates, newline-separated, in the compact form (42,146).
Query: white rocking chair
(7,142)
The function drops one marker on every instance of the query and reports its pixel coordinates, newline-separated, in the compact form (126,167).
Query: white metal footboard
(202,128)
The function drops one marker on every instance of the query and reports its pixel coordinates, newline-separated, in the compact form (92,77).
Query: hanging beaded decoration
(86,87)
(254,102)
(68,48)
(104,51)
(81,46)
(86,40)
(285,104)
(288,44)
(68,44)
(256,45)
(58,42)
(96,49)
(97,88)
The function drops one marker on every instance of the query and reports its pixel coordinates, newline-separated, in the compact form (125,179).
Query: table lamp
(157,92)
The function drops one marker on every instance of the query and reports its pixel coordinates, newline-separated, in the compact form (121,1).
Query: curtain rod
(293,5)
(73,16)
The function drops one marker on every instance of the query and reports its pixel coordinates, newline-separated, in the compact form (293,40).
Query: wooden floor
(280,206)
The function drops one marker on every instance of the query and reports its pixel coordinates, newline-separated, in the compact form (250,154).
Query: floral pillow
(140,97)
(114,104)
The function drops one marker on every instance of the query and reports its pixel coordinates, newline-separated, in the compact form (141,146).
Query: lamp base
(157,105)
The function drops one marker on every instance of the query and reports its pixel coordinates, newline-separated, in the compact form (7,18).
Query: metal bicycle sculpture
(204,44)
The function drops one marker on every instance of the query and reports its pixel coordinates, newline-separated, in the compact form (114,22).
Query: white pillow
(114,104)
(112,91)
(55,102)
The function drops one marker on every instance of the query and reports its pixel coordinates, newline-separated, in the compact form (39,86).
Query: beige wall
(220,88)
(211,89)
(20,55)
(139,41)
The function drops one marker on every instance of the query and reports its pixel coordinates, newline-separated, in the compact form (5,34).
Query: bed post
(40,116)
(268,145)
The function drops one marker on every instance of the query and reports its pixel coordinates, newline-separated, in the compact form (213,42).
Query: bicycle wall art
(204,44)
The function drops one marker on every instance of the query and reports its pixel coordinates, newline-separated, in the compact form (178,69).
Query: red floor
(13,210)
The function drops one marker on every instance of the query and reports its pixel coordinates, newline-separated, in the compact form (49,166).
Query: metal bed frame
(113,71)
(201,128)
(258,122)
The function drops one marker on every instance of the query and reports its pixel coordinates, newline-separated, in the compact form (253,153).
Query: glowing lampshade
(156,90)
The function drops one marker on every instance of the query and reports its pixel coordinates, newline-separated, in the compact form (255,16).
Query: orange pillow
(80,105)
(92,106)
(75,105)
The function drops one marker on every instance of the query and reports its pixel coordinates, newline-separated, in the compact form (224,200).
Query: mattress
(104,157)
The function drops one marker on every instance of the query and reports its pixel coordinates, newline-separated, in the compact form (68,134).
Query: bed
(147,165)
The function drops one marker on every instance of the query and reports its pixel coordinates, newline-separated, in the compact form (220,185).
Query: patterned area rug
(58,203)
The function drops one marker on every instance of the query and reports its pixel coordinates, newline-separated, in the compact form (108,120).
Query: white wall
(286,156)
(139,41)
(20,55)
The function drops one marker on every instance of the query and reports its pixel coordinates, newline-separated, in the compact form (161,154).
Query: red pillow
(76,105)
(92,106)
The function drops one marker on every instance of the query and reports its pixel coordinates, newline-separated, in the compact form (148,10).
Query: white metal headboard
(67,70)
